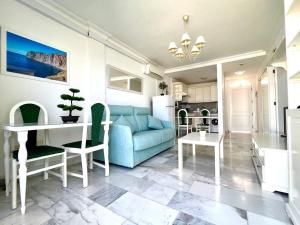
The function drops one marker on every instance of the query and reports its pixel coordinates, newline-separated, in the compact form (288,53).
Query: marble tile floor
(155,193)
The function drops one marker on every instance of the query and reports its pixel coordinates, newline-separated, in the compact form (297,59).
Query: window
(121,80)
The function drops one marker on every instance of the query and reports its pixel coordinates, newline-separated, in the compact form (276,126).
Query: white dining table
(210,139)
(22,132)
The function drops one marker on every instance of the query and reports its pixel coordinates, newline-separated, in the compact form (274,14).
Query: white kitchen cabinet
(206,94)
(191,94)
(213,93)
(199,95)
(178,96)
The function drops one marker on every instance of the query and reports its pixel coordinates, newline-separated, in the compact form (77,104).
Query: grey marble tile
(255,219)
(96,215)
(207,210)
(127,222)
(185,219)
(168,180)
(267,207)
(34,216)
(159,193)
(129,183)
(5,205)
(143,211)
(106,194)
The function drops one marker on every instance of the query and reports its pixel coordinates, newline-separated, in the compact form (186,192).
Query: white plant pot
(202,133)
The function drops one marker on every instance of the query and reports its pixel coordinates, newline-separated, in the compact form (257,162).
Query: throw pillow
(154,123)
(123,121)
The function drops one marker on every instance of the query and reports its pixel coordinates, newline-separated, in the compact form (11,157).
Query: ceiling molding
(65,17)
(232,58)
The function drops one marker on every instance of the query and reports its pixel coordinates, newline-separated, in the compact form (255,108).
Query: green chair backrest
(182,116)
(97,131)
(30,114)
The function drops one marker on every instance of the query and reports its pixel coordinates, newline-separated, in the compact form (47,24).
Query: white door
(240,110)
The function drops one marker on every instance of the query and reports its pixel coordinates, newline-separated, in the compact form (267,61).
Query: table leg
(217,164)
(6,149)
(194,149)
(180,157)
(222,149)
(22,138)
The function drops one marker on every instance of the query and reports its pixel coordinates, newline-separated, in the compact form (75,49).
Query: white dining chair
(183,121)
(30,113)
(204,122)
(86,146)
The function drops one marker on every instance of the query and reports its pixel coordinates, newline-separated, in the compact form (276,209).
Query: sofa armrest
(120,135)
(167,124)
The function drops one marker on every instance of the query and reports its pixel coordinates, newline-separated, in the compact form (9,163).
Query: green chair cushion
(77,144)
(39,151)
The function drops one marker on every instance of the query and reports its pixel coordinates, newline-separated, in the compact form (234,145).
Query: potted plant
(162,86)
(71,107)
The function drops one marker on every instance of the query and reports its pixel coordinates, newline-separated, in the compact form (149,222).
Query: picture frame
(27,57)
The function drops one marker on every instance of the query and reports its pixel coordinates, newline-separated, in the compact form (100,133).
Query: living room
(138,162)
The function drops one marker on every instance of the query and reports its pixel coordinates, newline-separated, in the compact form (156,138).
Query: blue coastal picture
(31,58)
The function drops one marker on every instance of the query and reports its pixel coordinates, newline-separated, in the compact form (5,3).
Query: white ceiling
(250,66)
(199,75)
(229,26)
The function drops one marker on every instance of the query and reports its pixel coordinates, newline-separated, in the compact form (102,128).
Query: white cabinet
(191,94)
(213,93)
(206,92)
(270,159)
(199,95)
(293,141)
(179,90)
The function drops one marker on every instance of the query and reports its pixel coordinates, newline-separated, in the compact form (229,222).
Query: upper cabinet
(213,93)
(206,92)
(179,90)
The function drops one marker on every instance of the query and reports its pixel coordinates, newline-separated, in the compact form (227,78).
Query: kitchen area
(200,101)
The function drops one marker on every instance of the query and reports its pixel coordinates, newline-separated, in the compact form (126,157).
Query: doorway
(240,109)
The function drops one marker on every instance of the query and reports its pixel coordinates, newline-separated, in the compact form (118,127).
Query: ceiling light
(187,51)
(172,47)
(240,72)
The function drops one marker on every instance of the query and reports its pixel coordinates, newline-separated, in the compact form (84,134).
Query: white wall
(86,70)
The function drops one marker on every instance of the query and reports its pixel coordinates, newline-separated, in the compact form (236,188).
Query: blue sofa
(129,149)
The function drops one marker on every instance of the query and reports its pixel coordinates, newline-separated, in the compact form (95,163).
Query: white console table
(270,159)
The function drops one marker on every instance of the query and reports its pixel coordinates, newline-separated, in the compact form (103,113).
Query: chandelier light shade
(179,53)
(187,51)
(172,47)
(200,42)
(185,39)
(195,51)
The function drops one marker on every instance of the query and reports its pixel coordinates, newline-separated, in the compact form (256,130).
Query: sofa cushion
(146,139)
(123,110)
(154,123)
(123,121)
(167,134)
(141,114)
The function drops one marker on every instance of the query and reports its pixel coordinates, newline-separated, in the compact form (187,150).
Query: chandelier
(187,51)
